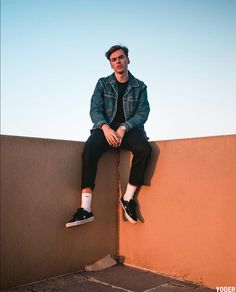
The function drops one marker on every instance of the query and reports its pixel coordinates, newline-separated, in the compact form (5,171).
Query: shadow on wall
(151,168)
(125,163)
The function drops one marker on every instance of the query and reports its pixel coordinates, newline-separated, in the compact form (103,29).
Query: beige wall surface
(40,190)
(188,217)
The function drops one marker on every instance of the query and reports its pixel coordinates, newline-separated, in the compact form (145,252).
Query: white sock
(86,201)
(129,194)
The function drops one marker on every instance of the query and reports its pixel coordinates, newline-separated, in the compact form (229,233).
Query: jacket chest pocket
(109,94)
(109,101)
(131,103)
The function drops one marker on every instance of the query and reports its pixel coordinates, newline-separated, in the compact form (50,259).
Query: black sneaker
(130,210)
(80,217)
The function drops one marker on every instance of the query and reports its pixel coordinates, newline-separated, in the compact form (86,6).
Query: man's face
(119,62)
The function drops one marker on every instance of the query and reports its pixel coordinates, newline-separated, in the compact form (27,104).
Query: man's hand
(111,136)
(120,132)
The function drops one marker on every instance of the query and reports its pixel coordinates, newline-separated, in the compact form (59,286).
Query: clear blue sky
(53,54)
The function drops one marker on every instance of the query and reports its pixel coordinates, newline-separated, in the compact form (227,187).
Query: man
(119,109)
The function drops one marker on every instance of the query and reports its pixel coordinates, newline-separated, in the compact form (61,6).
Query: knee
(88,149)
(148,150)
(93,148)
(144,150)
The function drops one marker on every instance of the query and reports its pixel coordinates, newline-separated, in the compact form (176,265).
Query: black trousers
(134,141)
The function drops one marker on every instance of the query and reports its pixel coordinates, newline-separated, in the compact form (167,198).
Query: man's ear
(128,61)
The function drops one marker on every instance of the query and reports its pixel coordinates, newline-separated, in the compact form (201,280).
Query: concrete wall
(40,190)
(188,214)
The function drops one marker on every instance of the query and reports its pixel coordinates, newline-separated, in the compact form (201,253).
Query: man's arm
(97,106)
(142,111)
(98,118)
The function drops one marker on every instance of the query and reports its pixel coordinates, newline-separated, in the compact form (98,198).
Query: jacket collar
(133,82)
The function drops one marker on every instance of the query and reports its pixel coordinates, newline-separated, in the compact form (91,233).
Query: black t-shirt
(119,117)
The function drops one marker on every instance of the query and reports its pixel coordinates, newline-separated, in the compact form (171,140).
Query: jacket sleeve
(97,112)
(142,111)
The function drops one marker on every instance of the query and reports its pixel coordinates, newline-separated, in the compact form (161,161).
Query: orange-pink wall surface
(188,213)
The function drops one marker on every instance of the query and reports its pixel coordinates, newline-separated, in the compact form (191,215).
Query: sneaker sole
(79,222)
(127,215)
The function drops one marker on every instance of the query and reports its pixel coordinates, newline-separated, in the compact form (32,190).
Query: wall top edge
(153,141)
(194,138)
(40,139)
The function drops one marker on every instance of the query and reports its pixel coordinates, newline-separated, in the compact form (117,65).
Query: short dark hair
(116,48)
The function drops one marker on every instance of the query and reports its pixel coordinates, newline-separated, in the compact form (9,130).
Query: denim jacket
(104,103)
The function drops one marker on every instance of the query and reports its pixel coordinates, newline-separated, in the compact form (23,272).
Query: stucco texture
(40,191)
(187,214)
